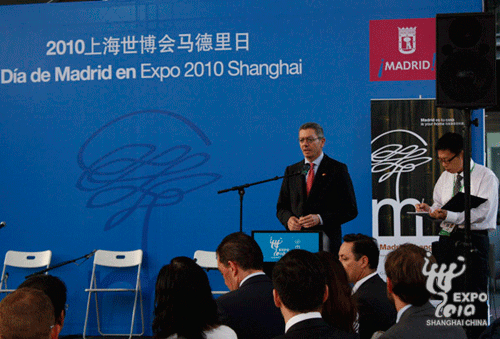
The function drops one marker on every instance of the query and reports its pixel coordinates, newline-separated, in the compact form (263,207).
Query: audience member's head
(299,280)
(238,255)
(405,280)
(183,301)
(339,309)
(27,313)
(54,288)
(359,255)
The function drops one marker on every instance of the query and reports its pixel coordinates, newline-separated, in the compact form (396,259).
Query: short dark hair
(183,301)
(242,249)
(364,245)
(54,288)
(299,278)
(403,267)
(316,127)
(453,142)
(26,313)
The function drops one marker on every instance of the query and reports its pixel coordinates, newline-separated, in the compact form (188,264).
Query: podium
(275,244)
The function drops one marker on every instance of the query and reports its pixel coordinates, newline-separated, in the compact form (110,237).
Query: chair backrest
(28,259)
(206,259)
(118,259)
(23,260)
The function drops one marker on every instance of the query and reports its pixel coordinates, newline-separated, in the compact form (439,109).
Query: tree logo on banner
(392,160)
(141,175)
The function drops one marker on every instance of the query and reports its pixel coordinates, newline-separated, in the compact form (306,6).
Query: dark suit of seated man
(300,289)
(359,255)
(248,308)
(406,287)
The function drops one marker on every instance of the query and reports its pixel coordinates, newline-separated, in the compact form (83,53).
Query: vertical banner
(404,168)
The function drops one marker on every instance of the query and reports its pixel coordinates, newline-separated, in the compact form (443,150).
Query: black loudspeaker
(465,60)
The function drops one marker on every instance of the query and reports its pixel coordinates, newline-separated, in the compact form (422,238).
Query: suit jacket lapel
(302,180)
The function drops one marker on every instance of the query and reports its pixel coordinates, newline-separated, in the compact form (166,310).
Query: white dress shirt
(401,311)
(251,275)
(301,317)
(316,163)
(361,281)
(484,184)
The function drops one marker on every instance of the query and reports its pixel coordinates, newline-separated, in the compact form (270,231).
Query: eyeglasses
(308,140)
(444,161)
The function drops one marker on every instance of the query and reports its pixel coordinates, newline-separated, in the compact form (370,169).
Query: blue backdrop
(120,121)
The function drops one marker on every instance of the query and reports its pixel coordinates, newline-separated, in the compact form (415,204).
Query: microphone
(305,169)
(4,278)
(3,224)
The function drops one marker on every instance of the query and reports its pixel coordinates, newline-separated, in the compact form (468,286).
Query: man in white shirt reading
(484,184)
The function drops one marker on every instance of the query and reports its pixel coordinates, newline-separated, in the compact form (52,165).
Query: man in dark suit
(406,287)
(300,289)
(359,255)
(248,308)
(323,198)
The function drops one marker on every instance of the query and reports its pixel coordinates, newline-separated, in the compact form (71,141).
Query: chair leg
(133,316)
(142,310)
(138,293)
(86,315)
(97,315)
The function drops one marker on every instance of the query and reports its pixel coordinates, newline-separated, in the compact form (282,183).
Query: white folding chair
(208,261)
(116,259)
(28,260)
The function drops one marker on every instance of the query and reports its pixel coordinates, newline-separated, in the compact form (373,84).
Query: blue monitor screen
(275,244)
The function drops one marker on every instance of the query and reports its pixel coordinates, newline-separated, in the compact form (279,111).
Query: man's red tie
(310,178)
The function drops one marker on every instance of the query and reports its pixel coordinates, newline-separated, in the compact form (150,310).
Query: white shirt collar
(401,311)
(472,165)
(301,317)
(251,275)
(316,162)
(361,281)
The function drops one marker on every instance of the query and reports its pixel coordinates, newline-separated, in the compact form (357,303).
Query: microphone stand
(241,190)
(86,256)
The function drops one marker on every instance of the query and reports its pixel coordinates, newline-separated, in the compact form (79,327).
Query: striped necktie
(458,184)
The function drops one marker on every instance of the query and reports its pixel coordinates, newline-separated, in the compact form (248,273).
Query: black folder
(457,203)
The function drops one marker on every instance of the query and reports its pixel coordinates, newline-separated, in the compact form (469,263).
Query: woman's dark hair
(339,309)
(183,301)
